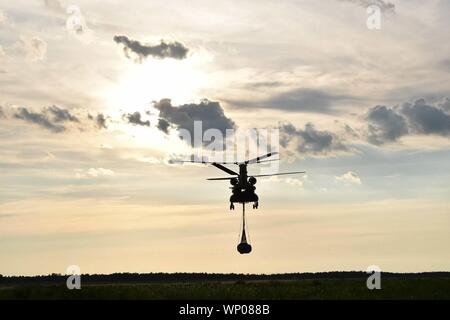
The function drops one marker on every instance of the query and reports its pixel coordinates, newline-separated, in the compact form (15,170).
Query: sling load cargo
(244,247)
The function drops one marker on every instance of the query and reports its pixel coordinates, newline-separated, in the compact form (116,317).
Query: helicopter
(243,187)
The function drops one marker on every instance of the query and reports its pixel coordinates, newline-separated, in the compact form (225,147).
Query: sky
(95,94)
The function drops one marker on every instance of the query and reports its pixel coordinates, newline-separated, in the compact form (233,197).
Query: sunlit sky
(86,134)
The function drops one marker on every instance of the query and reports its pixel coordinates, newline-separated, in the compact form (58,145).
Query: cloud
(389,124)
(349,178)
(302,100)
(2,113)
(385,125)
(93,173)
(135,118)
(163,125)
(163,50)
(445,105)
(35,48)
(309,141)
(350,132)
(182,117)
(41,119)
(292,182)
(383,5)
(56,119)
(264,84)
(51,118)
(60,115)
(100,120)
(298,100)
(426,119)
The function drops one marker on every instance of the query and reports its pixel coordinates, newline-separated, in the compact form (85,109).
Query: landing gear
(231,206)
(255,205)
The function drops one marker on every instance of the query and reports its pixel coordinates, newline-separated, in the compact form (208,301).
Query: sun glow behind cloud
(155,79)
(140,84)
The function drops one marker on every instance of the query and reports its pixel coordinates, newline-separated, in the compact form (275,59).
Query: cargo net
(244,246)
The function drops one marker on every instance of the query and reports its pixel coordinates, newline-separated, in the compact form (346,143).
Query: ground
(392,288)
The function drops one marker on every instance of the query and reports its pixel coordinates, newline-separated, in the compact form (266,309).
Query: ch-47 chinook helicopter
(243,187)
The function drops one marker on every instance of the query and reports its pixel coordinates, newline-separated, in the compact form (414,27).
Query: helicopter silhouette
(243,187)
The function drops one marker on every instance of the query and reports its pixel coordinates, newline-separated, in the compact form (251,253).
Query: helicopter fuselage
(243,188)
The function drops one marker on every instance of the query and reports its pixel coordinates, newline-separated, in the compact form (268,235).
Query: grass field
(435,288)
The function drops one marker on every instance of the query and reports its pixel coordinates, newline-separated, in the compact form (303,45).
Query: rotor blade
(221,167)
(200,161)
(257,159)
(277,174)
(261,175)
(269,160)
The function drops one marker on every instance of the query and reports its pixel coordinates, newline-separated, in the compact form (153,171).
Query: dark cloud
(100,120)
(55,118)
(163,125)
(302,100)
(265,84)
(310,141)
(182,117)
(385,125)
(389,124)
(41,119)
(2,113)
(298,100)
(163,50)
(135,118)
(383,5)
(51,118)
(60,115)
(426,119)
